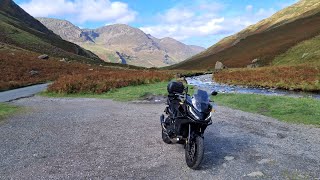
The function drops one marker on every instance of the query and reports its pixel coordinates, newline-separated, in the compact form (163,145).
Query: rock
(256,174)
(33,72)
(265,161)
(90,69)
(229,158)
(63,60)
(304,55)
(252,65)
(301,176)
(224,165)
(43,56)
(219,66)
(255,61)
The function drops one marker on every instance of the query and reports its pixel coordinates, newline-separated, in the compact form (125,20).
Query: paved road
(101,139)
(7,96)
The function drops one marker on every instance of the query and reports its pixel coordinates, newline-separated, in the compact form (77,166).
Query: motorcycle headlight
(208,117)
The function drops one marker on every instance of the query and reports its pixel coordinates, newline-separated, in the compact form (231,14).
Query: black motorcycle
(187,119)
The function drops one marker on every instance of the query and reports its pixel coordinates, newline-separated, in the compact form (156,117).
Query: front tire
(194,152)
(165,137)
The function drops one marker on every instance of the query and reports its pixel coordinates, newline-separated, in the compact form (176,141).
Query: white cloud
(182,23)
(82,10)
(175,15)
(198,22)
(249,8)
(186,30)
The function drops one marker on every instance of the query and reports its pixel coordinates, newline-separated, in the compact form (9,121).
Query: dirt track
(102,139)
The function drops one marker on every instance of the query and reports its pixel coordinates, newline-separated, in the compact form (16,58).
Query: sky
(194,22)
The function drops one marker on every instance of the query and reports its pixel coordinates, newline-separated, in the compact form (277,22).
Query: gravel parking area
(74,138)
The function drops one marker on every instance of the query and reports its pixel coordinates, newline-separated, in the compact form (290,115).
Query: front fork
(189,135)
(192,134)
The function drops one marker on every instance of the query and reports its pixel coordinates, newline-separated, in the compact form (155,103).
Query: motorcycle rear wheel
(194,152)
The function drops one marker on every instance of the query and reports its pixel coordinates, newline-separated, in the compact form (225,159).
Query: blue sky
(197,22)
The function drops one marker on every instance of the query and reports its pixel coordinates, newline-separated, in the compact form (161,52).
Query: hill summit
(124,44)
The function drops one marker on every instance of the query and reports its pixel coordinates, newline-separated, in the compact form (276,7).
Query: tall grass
(101,81)
(300,77)
(16,66)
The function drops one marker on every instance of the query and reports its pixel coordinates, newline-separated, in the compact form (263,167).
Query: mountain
(265,40)
(66,30)
(124,44)
(19,29)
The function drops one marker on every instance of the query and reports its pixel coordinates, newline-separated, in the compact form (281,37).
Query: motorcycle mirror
(214,93)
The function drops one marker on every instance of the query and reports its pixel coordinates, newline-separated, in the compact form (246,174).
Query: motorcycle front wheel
(194,152)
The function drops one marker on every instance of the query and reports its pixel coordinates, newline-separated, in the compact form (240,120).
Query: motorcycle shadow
(218,147)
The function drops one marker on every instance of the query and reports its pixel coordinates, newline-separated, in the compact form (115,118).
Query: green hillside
(305,52)
(265,40)
(20,29)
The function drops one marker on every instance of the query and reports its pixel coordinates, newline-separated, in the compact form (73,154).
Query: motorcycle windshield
(200,101)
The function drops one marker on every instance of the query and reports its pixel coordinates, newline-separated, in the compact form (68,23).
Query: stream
(205,82)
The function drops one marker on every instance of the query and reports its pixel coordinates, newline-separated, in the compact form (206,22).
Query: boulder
(43,56)
(63,60)
(219,66)
(252,66)
(33,72)
(255,61)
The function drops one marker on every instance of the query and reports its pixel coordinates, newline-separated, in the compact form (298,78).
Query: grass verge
(128,93)
(288,109)
(6,109)
(122,94)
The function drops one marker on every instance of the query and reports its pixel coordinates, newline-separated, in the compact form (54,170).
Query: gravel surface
(15,94)
(61,138)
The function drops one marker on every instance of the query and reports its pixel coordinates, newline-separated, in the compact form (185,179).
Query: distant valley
(121,43)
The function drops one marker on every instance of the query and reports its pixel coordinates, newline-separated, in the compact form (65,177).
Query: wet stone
(256,174)
(229,158)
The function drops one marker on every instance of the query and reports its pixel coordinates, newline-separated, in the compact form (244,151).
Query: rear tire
(194,152)
(165,137)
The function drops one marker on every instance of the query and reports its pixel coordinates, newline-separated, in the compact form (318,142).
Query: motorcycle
(186,121)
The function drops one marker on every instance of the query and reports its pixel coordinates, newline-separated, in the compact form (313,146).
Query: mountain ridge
(116,42)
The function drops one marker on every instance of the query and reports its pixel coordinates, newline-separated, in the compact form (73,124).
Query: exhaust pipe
(162,122)
(162,119)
